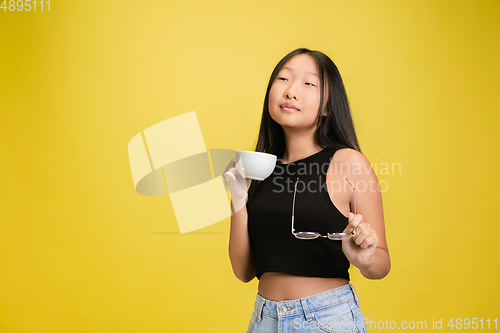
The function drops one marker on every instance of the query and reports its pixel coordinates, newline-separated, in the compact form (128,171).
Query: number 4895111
(26,5)
(472,323)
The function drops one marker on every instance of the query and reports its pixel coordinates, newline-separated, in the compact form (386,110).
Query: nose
(291,91)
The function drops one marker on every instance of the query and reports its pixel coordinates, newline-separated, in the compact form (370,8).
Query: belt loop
(354,294)
(260,306)
(306,309)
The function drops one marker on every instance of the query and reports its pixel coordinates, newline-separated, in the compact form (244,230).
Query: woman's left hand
(360,249)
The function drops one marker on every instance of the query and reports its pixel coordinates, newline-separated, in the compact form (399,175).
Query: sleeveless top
(274,247)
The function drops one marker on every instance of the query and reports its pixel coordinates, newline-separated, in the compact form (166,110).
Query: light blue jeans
(334,310)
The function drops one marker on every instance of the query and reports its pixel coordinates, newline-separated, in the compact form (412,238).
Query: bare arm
(240,253)
(368,250)
(380,267)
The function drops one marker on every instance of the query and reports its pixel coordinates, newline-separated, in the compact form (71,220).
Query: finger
(230,174)
(349,228)
(236,178)
(230,165)
(236,175)
(369,241)
(358,218)
(228,177)
(362,235)
(361,227)
(235,172)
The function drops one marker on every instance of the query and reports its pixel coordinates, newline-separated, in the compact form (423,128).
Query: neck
(299,146)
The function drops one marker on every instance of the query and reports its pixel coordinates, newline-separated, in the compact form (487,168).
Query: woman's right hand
(238,186)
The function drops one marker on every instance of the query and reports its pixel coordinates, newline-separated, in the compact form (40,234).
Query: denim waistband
(305,304)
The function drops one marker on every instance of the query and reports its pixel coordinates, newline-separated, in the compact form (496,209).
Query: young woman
(299,230)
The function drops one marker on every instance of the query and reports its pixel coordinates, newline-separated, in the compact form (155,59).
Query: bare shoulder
(352,161)
(350,155)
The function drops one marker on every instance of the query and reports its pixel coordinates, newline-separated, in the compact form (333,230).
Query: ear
(325,112)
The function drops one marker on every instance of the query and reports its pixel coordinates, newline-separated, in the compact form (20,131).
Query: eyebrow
(306,72)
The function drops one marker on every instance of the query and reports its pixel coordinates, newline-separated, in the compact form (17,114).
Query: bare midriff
(282,287)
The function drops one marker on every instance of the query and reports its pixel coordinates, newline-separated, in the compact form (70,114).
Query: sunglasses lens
(339,236)
(307,235)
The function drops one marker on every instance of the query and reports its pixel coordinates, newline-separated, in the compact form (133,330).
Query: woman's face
(295,94)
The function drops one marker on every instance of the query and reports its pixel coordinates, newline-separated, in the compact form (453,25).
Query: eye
(282,78)
(310,84)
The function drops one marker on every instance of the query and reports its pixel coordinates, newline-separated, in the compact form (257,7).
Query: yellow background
(81,251)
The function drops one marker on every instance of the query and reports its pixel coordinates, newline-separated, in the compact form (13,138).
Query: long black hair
(334,130)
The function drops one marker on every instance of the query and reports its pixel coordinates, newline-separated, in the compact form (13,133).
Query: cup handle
(240,168)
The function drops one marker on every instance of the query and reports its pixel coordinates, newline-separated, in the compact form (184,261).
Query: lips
(289,107)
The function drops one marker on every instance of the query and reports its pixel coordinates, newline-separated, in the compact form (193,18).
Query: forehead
(301,64)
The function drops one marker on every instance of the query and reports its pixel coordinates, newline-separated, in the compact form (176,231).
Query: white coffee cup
(255,165)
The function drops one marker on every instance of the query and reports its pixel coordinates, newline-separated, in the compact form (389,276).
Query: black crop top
(274,247)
